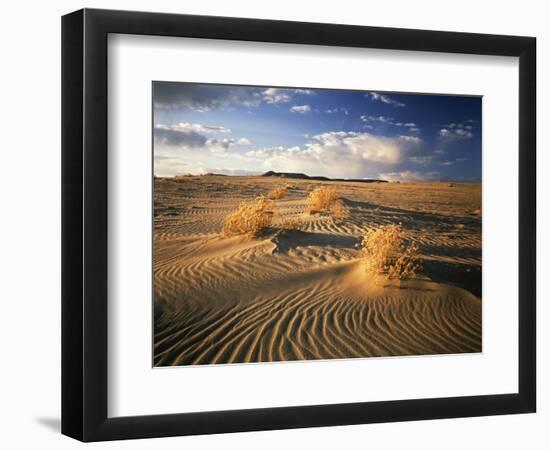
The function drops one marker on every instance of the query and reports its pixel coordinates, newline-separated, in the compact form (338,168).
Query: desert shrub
(338,210)
(321,199)
(385,253)
(293,223)
(325,199)
(277,194)
(250,219)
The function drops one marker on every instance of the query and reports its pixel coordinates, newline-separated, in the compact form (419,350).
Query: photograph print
(294,224)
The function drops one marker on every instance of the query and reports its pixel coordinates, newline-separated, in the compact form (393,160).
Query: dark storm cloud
(168,136)
(204,97)
(198,97)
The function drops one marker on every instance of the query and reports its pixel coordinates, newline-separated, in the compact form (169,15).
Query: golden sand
(303,293)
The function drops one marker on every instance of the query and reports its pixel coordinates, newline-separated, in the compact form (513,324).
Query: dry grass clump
(293,224)
(321,199)
(250,219)
(325,199)
(277,194)
(386,254)
(338,210)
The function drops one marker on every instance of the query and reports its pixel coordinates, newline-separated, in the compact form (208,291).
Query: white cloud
(410,176)
(275,95)
(385,99)
(381,119)
(185,126)
(385,120)
(410,139)
(339,154)
(337,110)
(455,133)
(301,109)
(191,136)
(279,95)
(221,145)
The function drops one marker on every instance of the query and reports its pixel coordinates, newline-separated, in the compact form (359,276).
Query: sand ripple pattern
(317,322)
(304,294)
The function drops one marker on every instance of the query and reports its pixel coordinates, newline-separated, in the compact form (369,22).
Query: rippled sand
(294,295)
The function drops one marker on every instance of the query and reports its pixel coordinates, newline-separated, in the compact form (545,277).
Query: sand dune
(304,294)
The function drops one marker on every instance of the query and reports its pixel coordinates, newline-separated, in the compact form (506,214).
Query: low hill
(303,176)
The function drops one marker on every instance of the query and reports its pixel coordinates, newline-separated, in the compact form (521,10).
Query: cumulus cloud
(385,99)
(301,109)
(219,145)
(344,154)
(410,176)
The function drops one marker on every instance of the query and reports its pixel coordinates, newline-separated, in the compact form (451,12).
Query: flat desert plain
(301,292)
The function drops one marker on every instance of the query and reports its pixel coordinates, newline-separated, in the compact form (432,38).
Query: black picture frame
(84,224)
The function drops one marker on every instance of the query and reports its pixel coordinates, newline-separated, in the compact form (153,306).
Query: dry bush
(321,199)
(277,194)
(293,224)
(250,219)
(338,210)
(325,199)
(386,254)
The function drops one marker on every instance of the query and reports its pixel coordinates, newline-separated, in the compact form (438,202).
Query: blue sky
(248,130)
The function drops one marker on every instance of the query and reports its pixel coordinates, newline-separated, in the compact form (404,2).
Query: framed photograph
(274,225)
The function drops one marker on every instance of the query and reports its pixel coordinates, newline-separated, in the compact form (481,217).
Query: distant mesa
(303,176)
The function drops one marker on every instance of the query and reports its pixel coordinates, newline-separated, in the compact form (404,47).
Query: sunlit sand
(299,289)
